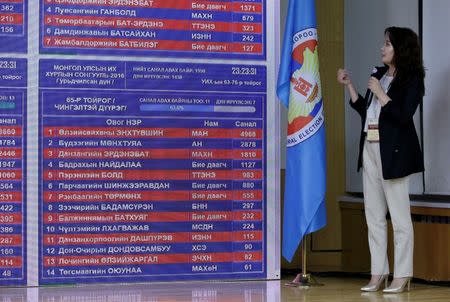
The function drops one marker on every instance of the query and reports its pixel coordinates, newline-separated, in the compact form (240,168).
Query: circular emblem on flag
(305,115)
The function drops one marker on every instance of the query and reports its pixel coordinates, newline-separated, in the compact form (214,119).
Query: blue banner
(299,89)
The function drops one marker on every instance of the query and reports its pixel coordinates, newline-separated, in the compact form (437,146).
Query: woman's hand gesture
(343,77)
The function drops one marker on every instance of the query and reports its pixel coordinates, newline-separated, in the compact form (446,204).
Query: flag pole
(305,278)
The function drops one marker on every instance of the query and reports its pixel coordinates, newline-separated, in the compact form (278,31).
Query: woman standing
(389,152)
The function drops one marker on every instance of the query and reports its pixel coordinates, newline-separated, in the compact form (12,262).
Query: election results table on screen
(151,171)
(13,29)
(13,75)
(233,28)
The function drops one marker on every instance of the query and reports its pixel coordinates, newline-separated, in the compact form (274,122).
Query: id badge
(372,130)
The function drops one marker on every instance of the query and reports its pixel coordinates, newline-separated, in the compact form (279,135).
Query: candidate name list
(151,183)
(166,26)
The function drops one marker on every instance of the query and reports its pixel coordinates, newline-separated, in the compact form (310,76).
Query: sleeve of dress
(359,105)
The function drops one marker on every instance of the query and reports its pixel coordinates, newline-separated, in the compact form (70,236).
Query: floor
(334,289)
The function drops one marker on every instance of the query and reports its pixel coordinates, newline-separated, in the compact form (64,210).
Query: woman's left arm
(401,108)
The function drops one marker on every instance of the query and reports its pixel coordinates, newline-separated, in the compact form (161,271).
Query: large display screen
(138,141)
(13,97)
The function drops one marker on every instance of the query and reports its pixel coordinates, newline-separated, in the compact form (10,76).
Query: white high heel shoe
(375,286)
(398,288)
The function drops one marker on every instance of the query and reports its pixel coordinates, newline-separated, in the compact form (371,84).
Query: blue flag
(299,89)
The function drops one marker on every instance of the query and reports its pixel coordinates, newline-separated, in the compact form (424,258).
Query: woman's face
(387,51)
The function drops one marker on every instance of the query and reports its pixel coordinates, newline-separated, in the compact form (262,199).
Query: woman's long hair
(407,59)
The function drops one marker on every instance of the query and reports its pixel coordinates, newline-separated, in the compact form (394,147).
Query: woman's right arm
(343,77)
(353,93)
(356,100)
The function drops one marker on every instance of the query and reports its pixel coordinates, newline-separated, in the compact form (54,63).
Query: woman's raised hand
(343,76)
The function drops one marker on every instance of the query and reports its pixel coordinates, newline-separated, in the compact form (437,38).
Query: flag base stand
(304,280)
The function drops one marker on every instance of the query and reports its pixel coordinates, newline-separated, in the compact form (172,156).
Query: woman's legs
(379,194)
(397,196)
(375,209)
